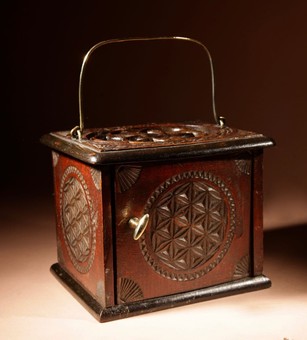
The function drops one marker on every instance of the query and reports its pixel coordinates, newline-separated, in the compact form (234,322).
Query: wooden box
(158,215)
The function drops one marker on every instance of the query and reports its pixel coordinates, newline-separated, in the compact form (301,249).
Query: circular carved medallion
(78,219)
(192,222)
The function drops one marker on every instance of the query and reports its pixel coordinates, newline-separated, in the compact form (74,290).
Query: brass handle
(139,225)
(76,132)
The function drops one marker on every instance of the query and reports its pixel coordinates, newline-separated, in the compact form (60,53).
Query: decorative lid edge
(91,156)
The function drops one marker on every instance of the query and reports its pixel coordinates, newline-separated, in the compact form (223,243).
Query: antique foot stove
(158,215)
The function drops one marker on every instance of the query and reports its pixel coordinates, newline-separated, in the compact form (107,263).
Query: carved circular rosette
(192,224)
(78,219)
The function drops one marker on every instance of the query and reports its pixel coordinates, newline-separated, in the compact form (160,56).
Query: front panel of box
(198,233)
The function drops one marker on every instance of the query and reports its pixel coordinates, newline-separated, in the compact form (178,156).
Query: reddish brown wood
(141,265)
(258,214)
(122,144)
(80,220)
(202,188)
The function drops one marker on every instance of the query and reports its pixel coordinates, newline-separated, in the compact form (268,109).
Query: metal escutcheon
(139,225)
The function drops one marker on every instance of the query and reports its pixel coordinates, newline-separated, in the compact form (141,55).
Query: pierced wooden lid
(154,142)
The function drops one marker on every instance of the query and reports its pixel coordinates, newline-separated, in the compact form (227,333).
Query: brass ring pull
(139,225)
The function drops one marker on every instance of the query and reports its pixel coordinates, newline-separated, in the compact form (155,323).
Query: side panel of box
(257,214)
(84,238)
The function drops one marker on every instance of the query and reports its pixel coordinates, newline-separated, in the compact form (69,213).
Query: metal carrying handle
(77,130)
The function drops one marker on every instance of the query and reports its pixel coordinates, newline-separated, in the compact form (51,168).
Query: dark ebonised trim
(154,304)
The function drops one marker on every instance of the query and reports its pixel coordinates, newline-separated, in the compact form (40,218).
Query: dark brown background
(259,51)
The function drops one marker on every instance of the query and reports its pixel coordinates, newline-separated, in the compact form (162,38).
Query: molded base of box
(154,304)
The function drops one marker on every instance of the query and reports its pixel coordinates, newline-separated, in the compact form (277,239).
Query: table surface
(35,306)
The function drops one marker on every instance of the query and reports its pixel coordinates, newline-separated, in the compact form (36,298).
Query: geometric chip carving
(96,176)
(244,165)
(156,135)
(55,158)
(129,291)
(192,222)
(242,268)
(126,176)
(78,219)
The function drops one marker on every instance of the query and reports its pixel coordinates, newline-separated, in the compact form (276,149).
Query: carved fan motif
(244,165)
(127,175)
(55,158)
(129,291)
(242,268)
(96,176)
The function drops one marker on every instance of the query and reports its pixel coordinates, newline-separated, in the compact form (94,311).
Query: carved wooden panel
(79,220)
(189,217)
(199,225)
(83,226)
